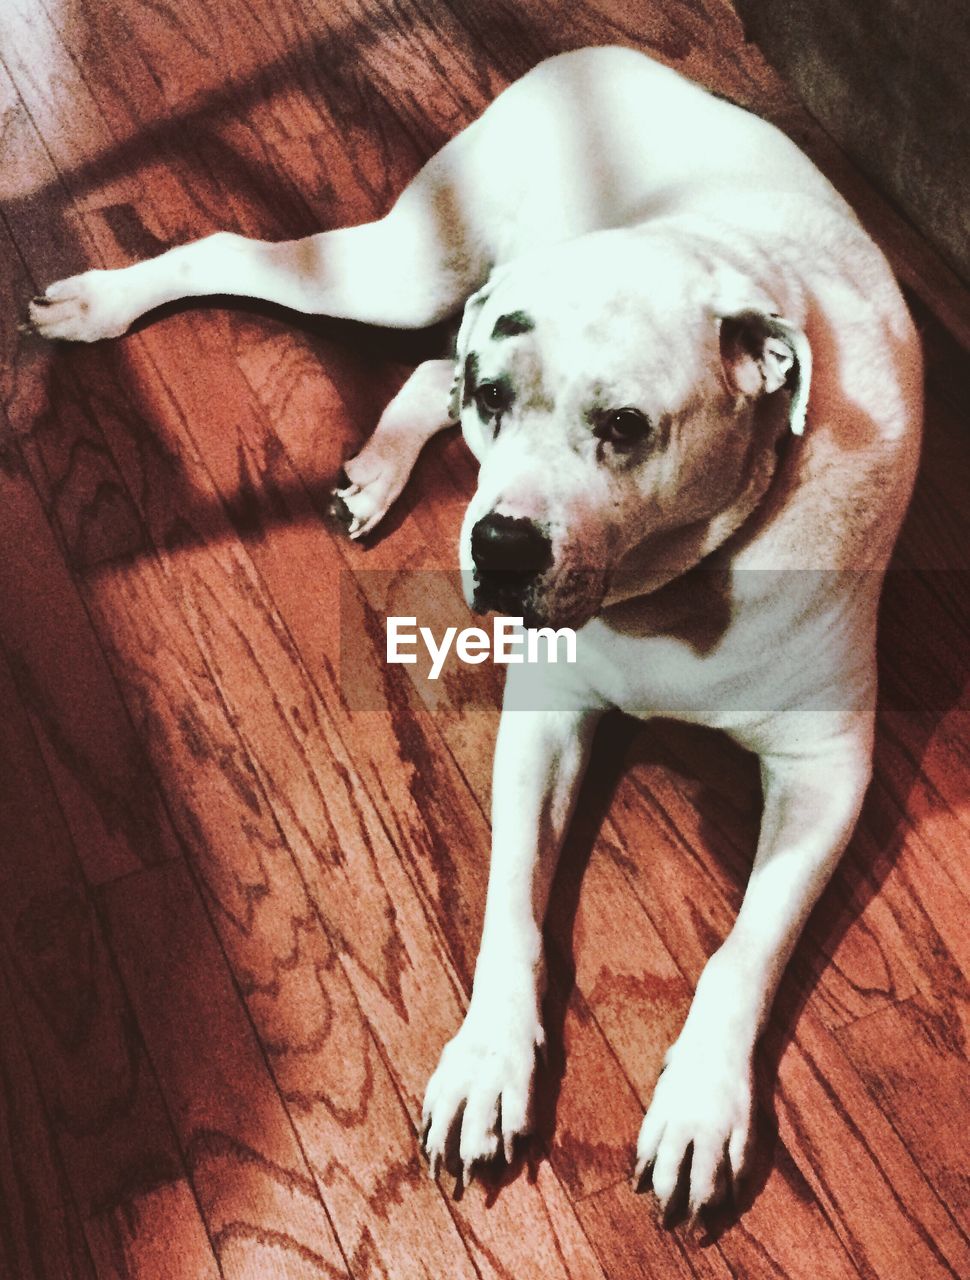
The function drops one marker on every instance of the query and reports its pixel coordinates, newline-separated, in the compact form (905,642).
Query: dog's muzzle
(509,553)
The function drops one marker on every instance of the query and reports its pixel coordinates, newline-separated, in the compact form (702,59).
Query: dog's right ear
(470,315)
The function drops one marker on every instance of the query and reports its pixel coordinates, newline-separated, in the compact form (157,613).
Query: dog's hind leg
(375,477)
(409,269)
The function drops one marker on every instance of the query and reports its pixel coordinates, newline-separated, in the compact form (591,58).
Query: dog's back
(618,137)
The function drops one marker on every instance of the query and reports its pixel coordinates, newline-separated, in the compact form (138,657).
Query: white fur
(632,214)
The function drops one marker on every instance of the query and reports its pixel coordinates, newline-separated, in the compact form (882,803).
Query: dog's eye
(623,427)
(493,397)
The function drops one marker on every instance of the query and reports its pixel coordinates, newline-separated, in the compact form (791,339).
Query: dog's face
(609,399)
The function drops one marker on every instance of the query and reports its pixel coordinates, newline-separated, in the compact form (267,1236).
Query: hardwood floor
(240,905)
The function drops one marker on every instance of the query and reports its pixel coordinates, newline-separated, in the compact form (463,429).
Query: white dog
(678,346)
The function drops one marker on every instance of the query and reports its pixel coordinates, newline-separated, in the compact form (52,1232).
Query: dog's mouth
(509,592)
(530,596)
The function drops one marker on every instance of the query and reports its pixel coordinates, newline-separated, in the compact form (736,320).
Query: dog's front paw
(701,1114)
(483,1082)
(84,308)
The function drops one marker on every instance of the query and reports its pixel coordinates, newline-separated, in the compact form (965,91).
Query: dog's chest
(746,669)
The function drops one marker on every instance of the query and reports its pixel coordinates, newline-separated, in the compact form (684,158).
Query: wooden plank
(112,1131)
(931,539)
(631,1242)
(40,1231)
(633,988)
(154,1235)
(111,1235)
(259,1199)
(780,1237)
(704,803)
(367,1139)
(885,1212)
(99,769)
(357,1136)
(913,1061)
(785,1230)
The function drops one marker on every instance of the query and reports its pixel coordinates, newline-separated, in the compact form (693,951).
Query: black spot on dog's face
(512,324)
(470,379)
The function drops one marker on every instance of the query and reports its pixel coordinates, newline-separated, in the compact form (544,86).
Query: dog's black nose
(507,544)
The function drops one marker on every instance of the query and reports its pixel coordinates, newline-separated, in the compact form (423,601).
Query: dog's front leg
(375,476)
(702,1106)
(483,1081)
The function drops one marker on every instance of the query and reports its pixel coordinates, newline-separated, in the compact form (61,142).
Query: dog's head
(610,388)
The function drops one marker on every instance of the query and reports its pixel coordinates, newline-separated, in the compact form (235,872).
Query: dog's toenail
(340,512)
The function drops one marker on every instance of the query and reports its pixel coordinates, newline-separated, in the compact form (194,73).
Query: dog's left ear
(761,352)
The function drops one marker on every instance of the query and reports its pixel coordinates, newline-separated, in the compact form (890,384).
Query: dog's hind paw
(480,1093)
(84,308)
